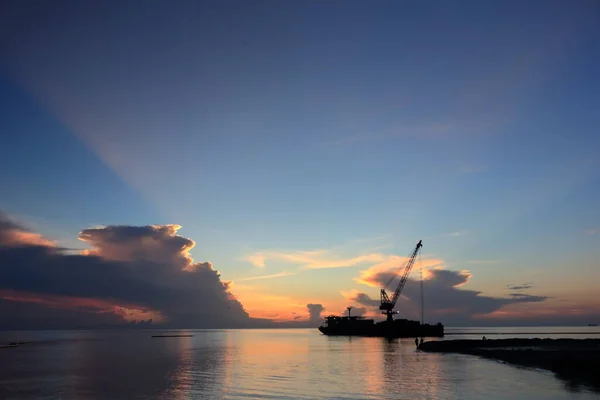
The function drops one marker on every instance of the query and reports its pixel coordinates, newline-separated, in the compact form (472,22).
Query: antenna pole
(422,297)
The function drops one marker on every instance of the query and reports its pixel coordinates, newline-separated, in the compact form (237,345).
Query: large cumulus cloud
(445,298)
(129,271)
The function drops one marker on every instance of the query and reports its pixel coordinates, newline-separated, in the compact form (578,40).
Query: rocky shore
(576,361)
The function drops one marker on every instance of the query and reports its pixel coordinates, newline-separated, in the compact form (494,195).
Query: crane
(387,305)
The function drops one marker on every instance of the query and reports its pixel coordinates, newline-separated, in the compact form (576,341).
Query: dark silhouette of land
(577,361)
(158,336)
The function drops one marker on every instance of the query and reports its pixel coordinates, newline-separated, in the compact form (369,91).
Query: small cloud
(592,231)
(256,259)
(278,275)
(523,286)
(314,312)
(458,233)
(522,297)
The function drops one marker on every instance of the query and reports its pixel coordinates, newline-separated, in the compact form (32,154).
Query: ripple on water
(292,364)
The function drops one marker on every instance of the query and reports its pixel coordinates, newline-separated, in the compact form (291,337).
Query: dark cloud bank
(447,302)
(132,276)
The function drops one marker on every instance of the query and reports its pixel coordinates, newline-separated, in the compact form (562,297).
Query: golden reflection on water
(182,376)
(400,369)
(258,364)
(303,365)
(260,361)
(229,359)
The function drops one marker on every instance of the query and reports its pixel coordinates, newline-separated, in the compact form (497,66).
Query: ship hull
(394,329)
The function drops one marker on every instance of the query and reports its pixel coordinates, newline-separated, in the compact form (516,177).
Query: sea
(267,364)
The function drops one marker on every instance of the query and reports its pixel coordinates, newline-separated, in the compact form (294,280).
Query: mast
(422,297)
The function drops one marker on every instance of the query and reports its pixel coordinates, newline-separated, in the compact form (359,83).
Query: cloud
(391,266)
(445,299)
(335,257)
(592,231)
(523,286)
(523,297)
(125,311)
(257,259)
(361,298)
(359,311)
(26,316)
(12,234)
(154,243)
(458,233)
(314,312)
(313,259)
(128,272)
(253,278)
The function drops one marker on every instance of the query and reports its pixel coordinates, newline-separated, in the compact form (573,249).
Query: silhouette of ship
(400,328)
(359,326)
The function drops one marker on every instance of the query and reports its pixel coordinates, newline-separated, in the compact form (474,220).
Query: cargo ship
(360,326)
(392,328)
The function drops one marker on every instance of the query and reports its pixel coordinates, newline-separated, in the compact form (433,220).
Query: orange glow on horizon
(281,308)
(127,311)
(516,312)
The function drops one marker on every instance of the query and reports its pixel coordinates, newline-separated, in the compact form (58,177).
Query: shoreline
(515,333)
(576,361)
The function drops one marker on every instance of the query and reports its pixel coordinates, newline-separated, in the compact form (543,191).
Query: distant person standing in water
(421,343)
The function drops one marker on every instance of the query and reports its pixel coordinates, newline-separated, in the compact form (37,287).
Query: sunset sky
(301,149)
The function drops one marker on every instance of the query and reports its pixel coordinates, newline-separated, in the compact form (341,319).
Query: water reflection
(202,366)
(407,371)
(181,377)
(113,366)
(256,364)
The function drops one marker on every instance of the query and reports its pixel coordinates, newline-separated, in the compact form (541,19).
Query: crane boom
(387,304)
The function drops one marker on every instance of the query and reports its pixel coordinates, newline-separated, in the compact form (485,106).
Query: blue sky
(296,126)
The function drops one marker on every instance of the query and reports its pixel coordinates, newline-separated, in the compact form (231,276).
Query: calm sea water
(264,364)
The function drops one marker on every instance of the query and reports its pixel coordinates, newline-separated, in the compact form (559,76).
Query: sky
(267,163)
